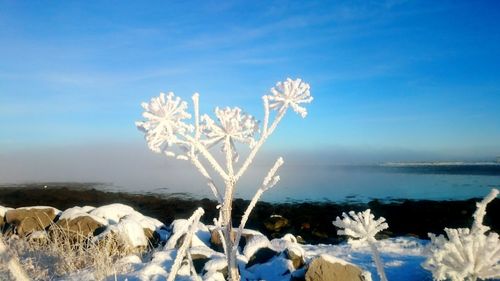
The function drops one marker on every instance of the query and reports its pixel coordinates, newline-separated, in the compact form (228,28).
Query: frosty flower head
(290,93)
(360,227)
(464,255)
(164,115)
(233,125)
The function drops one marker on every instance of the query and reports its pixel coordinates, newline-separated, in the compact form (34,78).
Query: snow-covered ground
(401,256)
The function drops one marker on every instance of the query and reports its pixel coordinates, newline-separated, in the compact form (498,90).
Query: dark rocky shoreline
(310,220)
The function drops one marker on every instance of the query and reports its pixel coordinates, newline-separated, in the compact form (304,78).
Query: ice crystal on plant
(164,115)
(290,93)
(360,227)
(466,254)
(164,128)
(234,125)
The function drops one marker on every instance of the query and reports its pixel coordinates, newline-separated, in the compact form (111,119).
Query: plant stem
(378,261)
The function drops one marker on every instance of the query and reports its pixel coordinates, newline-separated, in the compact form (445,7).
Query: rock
(154,237)
(3,210)
(325,268)
(199,262)
(275,223)
(216,242)
(131,233)
(84,225)
(295,254)
(28,220)
(258,250)
(150,234)
(262,255)
(319,234)
(215,239)
(216,266)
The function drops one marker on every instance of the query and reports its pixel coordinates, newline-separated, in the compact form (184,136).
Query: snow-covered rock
(30,219)
(326,267)
(78,221)
(3,210)
(112,212)
(85,225)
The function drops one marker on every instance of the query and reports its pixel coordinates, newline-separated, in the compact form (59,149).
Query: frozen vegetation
(170,129)
(116,242)
(466,254)
(186,250)
(361,228)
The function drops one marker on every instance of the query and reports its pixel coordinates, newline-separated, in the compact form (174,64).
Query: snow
(278,268)
(113,212)
(75,212)
(122,220)
(56,211)
(200,238)
(256,243)
(402,257)
(132,232)
(3,210)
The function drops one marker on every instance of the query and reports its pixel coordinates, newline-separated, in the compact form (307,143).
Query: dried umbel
(361,228)
(167,131)
(466,254)
(233,126)
(164,123)
(290,93)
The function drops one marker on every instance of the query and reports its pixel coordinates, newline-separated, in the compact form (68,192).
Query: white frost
(466,254)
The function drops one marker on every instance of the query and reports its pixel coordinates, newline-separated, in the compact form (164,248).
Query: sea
(360,183)
(332,183)
(391,181)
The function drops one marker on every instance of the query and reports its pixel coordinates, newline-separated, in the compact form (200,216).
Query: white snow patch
(278,268)
(3,210)
(113,212)
(75,212)
(56,211)
(200,238)
(333,259)
(256,243)
(131,232)
(216,264)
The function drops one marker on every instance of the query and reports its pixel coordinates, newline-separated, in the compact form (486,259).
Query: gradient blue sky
(387,76)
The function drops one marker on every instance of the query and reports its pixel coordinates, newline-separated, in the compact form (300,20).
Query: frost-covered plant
(11,264)
(466,254)
(190,228)
(361,228)
(167,131)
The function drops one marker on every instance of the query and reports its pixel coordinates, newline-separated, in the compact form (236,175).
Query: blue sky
(387,76)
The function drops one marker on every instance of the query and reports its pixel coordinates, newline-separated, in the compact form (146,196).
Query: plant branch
(265,102)
(261,141)
(193,226)
(196,103)
(196,162)
(269,181)
(202,149)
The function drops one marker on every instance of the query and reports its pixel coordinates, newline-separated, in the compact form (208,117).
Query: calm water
(338,183)
(362,183)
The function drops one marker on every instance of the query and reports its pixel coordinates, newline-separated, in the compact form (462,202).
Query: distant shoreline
(310,220)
